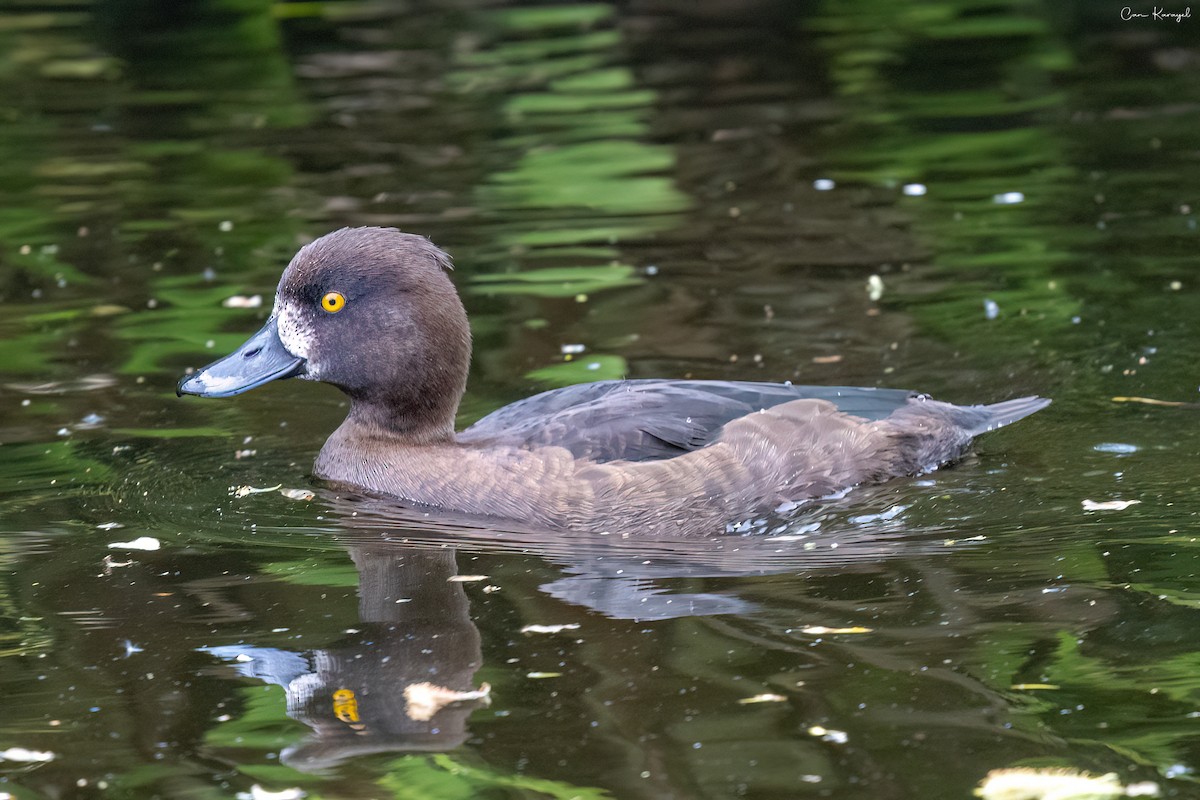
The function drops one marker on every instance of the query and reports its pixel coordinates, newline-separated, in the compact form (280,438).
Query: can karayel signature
(1157,14)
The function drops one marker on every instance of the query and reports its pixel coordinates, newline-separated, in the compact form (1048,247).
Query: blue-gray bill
(261,359)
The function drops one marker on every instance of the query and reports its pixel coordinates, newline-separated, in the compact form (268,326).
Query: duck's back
(647,420)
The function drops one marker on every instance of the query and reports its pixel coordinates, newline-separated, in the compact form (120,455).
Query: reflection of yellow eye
(345,704)
(333,302)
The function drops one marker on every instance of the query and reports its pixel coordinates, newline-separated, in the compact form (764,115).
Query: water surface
(631,189)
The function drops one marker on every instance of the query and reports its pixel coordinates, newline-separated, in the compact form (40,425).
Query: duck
(373,311)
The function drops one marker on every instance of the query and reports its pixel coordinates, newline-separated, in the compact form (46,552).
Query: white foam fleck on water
(140,543)
(883,516)
(874,288)
(1116,448)
(22,754)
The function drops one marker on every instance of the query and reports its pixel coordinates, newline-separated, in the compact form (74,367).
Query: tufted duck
(373,312)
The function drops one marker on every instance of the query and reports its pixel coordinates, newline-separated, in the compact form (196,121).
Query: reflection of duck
(372,311)
(402,682)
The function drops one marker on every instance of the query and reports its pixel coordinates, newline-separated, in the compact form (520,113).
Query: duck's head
(371,311)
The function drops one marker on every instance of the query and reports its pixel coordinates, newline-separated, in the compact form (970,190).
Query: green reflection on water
(557,281)
(609,177)
(183,323)
(535,20)
(585,369)
(314,572)
(579,169)
(115,166)
(262,723)
(440,776)
(965,137)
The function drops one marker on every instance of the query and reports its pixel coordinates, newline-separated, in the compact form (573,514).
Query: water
(636,190)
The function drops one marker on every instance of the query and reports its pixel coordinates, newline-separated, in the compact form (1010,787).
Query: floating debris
(1149,401)
(991,309)
(765,697)
(886,515)
(732,134)
(426,699)
(243,301)
(108,310)
(1051,784)
(1108,505)
(297,494)
(109,564)
(914,189)
(26,756)
(87,383)
(466,578)
(259,793)
(566,626)
(1034,687)
(243,491)
(1116,448)
(140,543)
(874,288)
(821,630)
(537,676)
(1008,198)
(824,185)
(952,542)
(829,734)
(826,359)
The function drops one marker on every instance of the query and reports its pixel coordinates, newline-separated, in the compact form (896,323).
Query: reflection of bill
(401,682)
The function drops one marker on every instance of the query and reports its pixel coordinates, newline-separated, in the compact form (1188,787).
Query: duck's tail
(982,419)
(928,433)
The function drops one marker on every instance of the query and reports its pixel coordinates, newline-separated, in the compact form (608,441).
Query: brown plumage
(617,456)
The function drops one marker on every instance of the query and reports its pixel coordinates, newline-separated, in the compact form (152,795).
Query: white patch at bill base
(295,332)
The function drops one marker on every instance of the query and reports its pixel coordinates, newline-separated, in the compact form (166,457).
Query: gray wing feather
(644,420)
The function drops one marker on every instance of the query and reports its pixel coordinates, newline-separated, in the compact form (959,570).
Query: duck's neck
(406,425)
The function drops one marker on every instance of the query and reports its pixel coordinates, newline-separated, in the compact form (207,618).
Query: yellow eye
(333,302)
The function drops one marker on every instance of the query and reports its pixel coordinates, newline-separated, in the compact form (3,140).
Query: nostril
(252,352)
